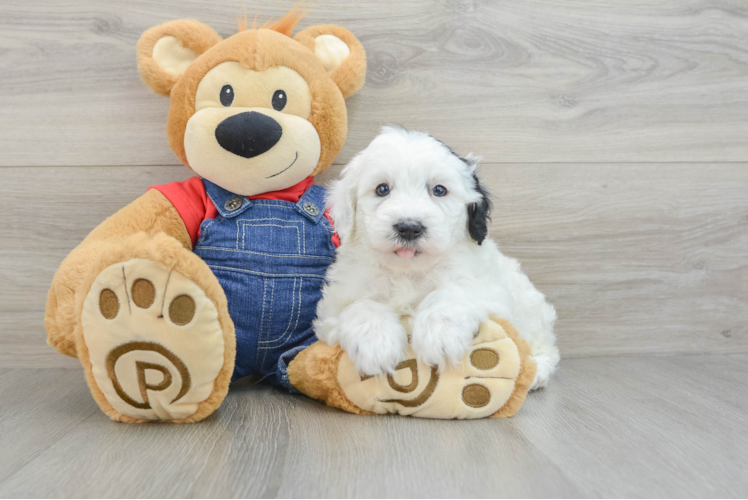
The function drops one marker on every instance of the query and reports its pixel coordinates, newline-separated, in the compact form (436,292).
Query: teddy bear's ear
(165,52)
(341,54)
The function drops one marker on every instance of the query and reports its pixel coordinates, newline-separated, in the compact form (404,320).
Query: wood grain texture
(628,427)
(48,213)
(636,259)
(646,427)
(614,138)
(38,409)
(543,81)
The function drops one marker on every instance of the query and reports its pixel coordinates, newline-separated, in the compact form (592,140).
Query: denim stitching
(261,363)
(293,308)
(282,338)
(267,349)
(272,218)
(242,224)
(298,237)
(262,315)
(326,224)
(331,232)
(298,311)
(310,257)
(203,232)
(247,222)
(220,198)
(269,275)
(276,205)
(272,299)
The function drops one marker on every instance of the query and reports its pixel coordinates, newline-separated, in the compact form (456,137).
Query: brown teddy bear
(216,278)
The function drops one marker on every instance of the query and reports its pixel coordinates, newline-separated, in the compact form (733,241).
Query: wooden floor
(614,137)
(625,427)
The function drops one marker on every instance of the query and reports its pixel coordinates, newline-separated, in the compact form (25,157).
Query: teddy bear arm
(152,213)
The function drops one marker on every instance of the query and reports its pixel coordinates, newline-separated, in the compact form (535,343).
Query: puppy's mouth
(406,252)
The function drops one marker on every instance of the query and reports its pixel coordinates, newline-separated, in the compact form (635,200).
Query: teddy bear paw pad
(154,340)
(478,387)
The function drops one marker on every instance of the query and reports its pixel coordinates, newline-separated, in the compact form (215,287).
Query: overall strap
(227,203)
(312,203)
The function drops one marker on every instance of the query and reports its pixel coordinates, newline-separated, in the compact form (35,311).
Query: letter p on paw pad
(154,341)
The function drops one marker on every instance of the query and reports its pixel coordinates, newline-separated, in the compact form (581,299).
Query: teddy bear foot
(492,380)
(152,343)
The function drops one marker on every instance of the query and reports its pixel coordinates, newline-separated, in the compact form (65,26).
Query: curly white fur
(447,288)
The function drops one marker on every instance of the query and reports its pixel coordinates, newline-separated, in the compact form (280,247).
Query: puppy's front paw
(440,337)
(375,356)
(373,337)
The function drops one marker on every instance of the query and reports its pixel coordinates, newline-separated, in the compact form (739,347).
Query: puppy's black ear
(479,214)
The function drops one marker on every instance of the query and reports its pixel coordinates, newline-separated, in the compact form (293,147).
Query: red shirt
(194,205)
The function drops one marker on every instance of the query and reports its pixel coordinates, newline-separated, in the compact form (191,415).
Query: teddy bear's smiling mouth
(291,165)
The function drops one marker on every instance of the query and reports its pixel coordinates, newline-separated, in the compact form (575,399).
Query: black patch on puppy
(479,214)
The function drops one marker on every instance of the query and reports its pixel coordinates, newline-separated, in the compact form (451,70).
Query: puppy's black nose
(409,230)
(248,134)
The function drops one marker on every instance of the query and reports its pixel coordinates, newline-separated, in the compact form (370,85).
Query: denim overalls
(270,256)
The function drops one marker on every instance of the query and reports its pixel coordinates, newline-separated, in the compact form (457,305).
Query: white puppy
(412,218)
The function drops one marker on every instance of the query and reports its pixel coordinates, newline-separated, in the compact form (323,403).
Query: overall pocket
(289,309)
(272,235)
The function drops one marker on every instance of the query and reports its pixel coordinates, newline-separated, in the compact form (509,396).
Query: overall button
(310,208)
(233,203)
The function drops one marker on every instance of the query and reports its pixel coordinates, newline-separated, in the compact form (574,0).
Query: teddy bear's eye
(227,95)
(279,100)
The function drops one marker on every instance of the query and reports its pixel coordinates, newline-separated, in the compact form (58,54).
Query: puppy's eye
(383,190)
(227,95)
(439,190)
(279,100)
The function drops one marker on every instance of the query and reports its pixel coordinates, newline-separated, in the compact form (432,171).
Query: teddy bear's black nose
(248,134)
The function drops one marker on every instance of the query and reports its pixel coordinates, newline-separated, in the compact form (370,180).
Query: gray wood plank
(266,443)
(647,427)
(39,407)
(33,244)
(637,259)
(639,427)
(552,80)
